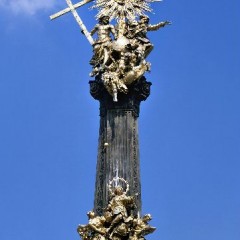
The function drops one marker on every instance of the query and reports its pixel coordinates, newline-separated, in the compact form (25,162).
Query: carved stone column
(118,147)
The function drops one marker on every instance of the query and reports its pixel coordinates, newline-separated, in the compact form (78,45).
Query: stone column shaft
(118,147)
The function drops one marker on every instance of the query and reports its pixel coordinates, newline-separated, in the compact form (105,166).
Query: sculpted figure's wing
(148,230)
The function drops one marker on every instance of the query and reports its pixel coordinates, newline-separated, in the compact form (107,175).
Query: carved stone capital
(138,91)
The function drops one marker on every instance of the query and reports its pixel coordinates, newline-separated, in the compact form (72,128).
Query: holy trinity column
(118,67)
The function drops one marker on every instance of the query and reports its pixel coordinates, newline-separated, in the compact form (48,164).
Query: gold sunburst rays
(118,9)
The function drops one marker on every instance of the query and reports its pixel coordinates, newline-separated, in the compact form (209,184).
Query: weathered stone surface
(118,147)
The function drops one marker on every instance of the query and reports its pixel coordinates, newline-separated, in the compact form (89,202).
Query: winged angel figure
(120,50)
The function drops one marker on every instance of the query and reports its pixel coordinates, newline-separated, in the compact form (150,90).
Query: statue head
(104,20)
(90,214)
(118,191)
(114,188)
(144,19)
(147,217)
(132,25)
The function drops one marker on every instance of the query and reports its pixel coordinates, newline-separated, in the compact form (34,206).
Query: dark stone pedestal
(118,148)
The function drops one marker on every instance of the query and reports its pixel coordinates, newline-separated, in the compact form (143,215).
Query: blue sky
(189,127)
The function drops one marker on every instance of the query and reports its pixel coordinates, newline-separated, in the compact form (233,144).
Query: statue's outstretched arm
(157,26)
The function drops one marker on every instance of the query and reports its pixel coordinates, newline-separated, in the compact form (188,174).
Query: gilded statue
(141,227)
(101,46)
(95,229)
(119,206)
(118,221)
(120,50)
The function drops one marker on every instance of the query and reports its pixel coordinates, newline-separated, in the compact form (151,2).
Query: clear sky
(189,126)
